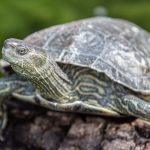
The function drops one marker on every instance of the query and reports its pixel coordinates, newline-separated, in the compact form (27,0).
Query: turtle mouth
(8,55)
(16,67)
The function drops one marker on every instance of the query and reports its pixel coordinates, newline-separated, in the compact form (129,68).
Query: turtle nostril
(6,45)
(10,43)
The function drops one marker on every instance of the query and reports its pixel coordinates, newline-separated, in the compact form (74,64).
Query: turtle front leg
(3,115)
(132,105)
(3,118)
(8,85)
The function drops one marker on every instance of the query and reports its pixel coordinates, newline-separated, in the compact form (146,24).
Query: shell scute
(116,47)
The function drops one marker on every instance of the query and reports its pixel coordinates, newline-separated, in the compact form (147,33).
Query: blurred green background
(19,18)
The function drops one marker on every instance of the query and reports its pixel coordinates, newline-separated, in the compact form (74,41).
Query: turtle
(97,65)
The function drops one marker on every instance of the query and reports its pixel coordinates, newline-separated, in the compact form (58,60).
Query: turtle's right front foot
(3,120)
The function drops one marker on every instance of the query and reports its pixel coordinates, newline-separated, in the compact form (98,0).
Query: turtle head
(37,66)
(24,58)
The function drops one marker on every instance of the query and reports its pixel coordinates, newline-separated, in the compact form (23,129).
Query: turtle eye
(22,51)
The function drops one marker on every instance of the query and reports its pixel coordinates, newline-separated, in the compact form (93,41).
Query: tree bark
(34,128)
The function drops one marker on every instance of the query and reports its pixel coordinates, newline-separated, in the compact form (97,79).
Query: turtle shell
(116,47)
